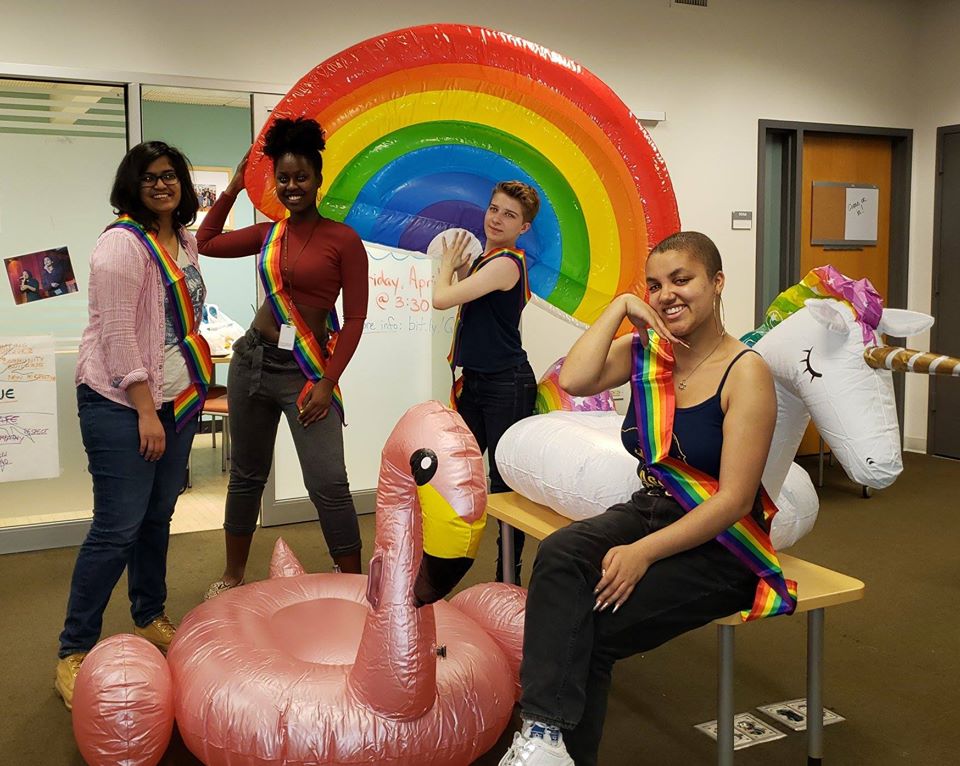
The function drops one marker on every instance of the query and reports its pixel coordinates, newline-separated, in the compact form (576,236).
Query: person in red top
(318,258)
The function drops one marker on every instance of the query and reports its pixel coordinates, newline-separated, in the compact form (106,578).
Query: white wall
(937,101)
(714,71)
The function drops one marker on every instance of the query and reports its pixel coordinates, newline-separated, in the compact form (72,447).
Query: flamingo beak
(450,541)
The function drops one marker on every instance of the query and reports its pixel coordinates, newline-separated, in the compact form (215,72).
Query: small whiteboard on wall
(844,214)
(395,366)
(28,409)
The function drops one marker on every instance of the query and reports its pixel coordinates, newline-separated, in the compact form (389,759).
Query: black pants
(569,650)
(489,404)
(265,382)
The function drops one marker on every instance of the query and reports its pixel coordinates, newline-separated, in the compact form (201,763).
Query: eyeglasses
(169,178)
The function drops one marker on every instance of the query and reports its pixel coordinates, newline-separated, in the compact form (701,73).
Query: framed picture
(208,182)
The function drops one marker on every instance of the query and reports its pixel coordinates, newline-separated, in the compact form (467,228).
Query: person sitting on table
(499,387)
(311,259)
(650,568)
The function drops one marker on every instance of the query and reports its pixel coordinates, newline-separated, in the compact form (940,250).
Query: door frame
(902,145)
(901,140)
(935,270)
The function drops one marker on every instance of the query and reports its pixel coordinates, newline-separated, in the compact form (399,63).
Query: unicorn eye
(806,362)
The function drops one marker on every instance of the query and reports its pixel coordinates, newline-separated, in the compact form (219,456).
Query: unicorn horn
(907,360)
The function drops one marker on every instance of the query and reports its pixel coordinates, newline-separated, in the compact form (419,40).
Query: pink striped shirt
(123,342)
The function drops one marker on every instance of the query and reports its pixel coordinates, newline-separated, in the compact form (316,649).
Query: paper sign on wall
(28,409)
(862,207)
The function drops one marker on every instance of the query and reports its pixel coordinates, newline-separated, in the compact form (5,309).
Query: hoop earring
(719,320)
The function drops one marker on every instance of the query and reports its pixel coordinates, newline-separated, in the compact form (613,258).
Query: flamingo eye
(423,465)
(806,362)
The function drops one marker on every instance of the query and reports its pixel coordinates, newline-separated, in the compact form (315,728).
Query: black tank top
(697,433)
(490,330)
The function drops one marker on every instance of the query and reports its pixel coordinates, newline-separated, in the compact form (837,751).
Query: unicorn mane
(824,282)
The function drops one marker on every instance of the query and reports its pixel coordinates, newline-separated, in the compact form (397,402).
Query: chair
(216,406)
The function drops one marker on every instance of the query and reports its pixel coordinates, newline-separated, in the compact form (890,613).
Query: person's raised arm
(212,241)
(597,361)
(500,274)
(747,432)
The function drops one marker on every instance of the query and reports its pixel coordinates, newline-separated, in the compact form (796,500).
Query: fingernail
(596,606)
(604,605)
(615,608)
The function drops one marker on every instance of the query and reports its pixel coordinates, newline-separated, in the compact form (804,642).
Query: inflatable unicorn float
(822,339)
(333,668)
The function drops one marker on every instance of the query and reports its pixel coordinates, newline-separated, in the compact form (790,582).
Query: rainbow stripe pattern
(551,397)
(193,346)
(423,121)
(825,282)
(453,358)
(306,347)
(654,405)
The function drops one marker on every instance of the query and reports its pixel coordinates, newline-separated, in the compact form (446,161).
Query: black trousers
(489,404)
(569,650)
(265,382)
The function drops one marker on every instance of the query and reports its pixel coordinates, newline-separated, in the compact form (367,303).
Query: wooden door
(844,158)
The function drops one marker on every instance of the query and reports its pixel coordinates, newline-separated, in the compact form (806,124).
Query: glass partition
(60,144)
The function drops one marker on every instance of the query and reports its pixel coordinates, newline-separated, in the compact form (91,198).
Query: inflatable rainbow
(421,123)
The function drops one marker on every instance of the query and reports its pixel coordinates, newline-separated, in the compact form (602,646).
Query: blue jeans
(489,404)
(133,501)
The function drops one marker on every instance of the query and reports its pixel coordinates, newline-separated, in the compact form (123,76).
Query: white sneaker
(535,751)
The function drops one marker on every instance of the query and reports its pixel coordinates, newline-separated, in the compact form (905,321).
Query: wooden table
(817,587)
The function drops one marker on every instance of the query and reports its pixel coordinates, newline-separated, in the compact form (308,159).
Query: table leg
(725,639)
(815,621)
(506,552)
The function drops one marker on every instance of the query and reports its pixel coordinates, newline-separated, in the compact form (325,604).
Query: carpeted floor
(892,661)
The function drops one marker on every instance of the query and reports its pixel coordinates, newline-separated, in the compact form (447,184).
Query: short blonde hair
(523,193)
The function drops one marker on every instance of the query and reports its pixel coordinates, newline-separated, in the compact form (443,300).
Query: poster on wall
(208,183)
(28,409)
(36,276)
(844,215)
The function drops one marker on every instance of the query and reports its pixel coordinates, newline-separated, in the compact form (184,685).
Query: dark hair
(700,246)
(523,193)
(302,137)
(125,195)
(26,272)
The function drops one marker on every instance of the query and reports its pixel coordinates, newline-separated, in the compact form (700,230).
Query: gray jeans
(265,381)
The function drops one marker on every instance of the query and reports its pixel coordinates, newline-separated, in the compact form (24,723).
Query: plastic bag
(219,330)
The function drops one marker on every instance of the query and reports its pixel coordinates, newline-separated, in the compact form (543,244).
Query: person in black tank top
(498,385)
(645,571)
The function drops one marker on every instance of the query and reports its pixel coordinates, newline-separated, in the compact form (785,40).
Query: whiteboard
(401,361)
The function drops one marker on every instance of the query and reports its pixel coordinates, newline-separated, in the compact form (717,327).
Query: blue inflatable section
(426,191)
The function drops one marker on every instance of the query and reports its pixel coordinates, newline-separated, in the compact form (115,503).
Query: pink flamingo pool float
(346,669)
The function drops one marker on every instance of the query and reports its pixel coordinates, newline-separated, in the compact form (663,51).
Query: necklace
(682,385)
(288,269)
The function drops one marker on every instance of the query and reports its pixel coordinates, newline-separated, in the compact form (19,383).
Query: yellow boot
(160,632)
(67,669)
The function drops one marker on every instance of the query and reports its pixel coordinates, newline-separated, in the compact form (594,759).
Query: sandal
(219,587)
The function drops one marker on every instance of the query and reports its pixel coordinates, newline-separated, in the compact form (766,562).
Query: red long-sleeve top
(321,262)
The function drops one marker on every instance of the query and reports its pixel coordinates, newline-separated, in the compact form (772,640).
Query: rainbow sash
(193,346)
(306,348)
(654,404)
(453,358)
